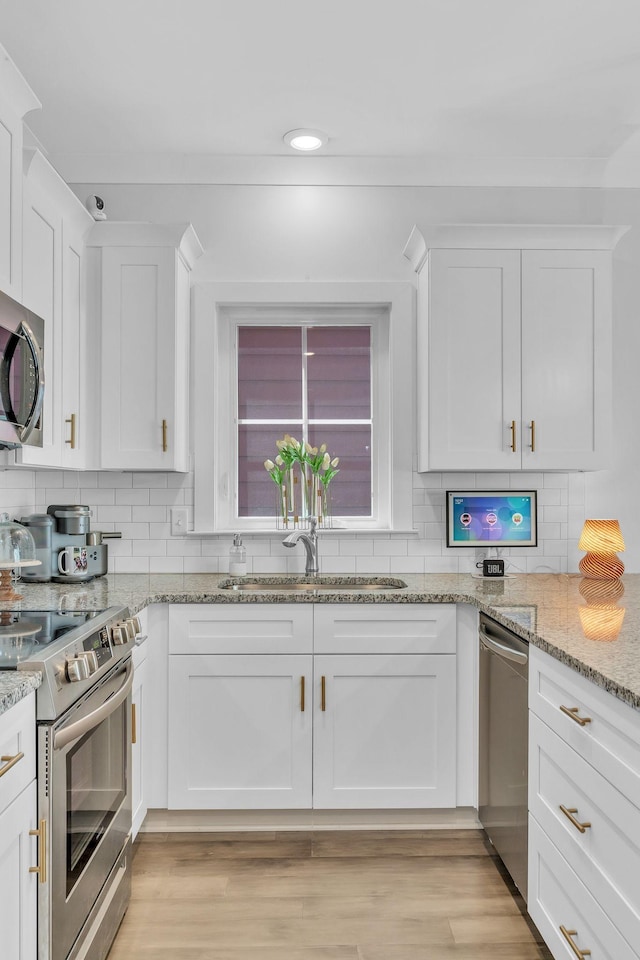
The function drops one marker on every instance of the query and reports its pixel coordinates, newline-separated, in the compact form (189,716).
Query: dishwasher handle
(502,649)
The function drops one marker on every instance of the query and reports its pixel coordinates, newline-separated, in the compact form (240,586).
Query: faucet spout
(310,544)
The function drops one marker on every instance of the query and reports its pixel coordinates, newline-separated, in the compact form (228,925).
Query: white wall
(253,233)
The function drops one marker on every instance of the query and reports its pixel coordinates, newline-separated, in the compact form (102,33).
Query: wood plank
(328,895)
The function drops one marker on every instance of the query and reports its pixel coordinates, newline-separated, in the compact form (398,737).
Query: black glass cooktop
(24,633)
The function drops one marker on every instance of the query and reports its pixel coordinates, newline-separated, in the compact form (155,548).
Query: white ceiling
(405,89)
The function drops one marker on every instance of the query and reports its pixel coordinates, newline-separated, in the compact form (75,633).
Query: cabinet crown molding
(507,236)
(37,169)
(124,233)
(15,92)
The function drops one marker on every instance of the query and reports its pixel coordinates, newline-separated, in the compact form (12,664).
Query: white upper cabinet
(16,99)
(55,225)
(143,347)
(514,347)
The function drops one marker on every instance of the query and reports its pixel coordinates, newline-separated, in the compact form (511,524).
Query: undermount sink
(312,585)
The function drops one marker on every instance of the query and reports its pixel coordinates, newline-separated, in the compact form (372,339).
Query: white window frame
(218,309)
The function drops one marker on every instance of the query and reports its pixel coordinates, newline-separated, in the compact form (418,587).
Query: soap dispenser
(237,558)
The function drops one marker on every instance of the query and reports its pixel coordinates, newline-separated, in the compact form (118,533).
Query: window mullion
(305,384)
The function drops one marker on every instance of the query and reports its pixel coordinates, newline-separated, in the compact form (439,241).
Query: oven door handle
(75,730)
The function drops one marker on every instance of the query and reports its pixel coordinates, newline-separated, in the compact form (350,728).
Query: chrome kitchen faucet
(310,541)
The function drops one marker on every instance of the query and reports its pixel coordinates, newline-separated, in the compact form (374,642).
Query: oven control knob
(118,634)
(133,626)
(77,669)
(91,659)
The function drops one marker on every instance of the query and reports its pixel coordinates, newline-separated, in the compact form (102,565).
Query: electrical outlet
(179,518)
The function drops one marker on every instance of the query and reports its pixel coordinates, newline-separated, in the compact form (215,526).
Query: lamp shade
(601,536)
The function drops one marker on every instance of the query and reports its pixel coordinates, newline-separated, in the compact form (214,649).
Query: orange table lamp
(601,539)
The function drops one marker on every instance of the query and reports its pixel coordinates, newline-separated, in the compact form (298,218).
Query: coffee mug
(72,561)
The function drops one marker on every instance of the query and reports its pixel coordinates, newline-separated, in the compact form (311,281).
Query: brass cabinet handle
(72,440)
(513,436)
(10,762)
(41,869)
(532,427)
(569,935)
(573,713)
(301,694)
(164,436)
(134,732)
(323,694)
(568,812)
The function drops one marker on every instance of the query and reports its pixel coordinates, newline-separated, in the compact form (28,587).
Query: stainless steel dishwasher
(503,728)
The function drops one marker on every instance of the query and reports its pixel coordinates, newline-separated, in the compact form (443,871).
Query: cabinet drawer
(609,741)
(243,628)
(385,628)
(606,856)
(17,735)
(141,648)
(558,898)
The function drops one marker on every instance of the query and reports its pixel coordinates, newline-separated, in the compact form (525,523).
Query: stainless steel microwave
(21,375)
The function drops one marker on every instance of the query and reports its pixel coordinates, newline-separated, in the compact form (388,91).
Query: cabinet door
(566,358)
(10,202)
(474,359)
(138,747)
(384,731)
(144,334)
(73,405)
(42,266)
(239,732)
(18,887)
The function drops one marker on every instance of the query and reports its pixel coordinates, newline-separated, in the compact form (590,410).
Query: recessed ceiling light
(305,139)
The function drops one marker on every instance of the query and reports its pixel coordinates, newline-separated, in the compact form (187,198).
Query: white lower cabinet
(384,734)
(240,732)
(256,720)
(18,847)
(584,815)
(138,747)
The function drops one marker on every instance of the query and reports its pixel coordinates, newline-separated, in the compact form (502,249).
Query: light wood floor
(379,895)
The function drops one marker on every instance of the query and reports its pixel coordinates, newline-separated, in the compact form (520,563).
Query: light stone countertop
(542,608)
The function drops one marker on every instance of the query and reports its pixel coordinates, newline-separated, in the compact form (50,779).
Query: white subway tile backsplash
(139,505)
(146,514)
(373,565)
(182,547)
(131,565)
(390,548)
(113,480)
(493,481)
(356,548)
(149,480)
(406,565)
(134,497)
(166,565)
(114,514)
(149,548)
(169,496)
(202,565)
(95,497)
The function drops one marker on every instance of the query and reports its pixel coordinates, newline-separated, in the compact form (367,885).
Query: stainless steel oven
(21,374)
(84,783)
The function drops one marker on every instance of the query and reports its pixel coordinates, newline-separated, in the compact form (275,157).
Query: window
(329,363)
(314,383)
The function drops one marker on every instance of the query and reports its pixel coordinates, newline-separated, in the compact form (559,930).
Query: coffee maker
(68,550)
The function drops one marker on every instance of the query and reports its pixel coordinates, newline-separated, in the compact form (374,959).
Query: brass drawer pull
(301,694)
(134,729)
(569,935)
(72,422)
(323,694)
(513,436)
(573,713)
(9,762)
(41,869)
(568,812)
